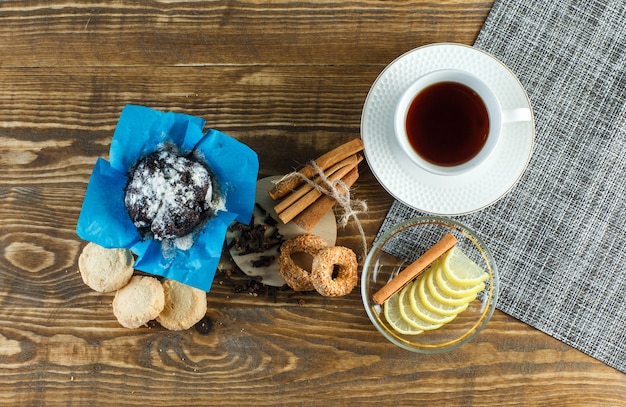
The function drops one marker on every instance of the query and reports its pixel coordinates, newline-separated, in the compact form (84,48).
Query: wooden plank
(41,33)
(288,361)
(58,122)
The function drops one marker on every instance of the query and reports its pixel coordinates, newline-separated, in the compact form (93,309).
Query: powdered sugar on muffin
(169,195)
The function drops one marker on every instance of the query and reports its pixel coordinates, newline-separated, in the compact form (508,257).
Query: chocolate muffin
(169,195)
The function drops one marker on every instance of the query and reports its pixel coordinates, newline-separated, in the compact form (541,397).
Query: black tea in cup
(447,124)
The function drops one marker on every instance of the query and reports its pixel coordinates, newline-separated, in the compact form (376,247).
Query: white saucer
(441,194)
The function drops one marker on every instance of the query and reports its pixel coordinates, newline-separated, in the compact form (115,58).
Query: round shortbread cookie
(105,270)
(139,302)
(184,306)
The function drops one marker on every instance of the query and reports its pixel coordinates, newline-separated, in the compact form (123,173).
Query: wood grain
(288,78)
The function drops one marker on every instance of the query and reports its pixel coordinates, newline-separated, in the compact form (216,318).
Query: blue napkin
(104,219)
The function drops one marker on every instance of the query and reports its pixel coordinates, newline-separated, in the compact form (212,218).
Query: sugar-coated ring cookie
(184,306)
(139,302)
(105,270)
(323,269)
(296,277)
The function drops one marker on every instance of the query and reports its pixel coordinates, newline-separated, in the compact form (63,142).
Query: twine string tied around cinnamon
(340,192)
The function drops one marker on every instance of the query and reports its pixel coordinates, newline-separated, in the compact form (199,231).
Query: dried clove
(270,221)
(253,287)
(260,208)
(263,261)
(255,238)
(204,326)
(233,242)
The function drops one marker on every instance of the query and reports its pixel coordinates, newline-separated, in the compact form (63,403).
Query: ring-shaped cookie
(296,277)
(323,269)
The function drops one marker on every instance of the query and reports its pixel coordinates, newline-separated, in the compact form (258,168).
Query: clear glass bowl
(404,243)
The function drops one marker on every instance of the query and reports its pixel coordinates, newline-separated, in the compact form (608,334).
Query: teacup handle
(521,114)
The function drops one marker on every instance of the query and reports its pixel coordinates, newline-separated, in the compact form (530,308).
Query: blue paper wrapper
(140,131)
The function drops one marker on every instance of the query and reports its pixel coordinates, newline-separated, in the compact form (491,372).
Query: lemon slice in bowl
(461,270)
(429,301)
(451,289)
(391,311)
(420,310)
(406,310)
(441,296)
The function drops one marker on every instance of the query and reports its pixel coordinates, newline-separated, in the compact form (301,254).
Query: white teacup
(490,111)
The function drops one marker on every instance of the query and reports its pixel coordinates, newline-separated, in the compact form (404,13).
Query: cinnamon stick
(304,189)
(310,216)
(414,269)
(301,204)
(324,162)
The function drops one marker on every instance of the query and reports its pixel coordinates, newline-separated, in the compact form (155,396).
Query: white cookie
(139,302)
(184,306)
(105,270)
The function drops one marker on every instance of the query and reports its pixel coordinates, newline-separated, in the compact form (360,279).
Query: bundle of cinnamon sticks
(306,205)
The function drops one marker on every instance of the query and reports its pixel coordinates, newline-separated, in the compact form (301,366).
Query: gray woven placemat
(559,237)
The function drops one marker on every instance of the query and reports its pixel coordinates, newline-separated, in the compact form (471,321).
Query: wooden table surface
(288,78)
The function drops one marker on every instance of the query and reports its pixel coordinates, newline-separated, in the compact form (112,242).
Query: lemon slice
(430,303)
(441,296)
(442,281)
(391,311)
(461,270)
(406,310)
(420,310)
